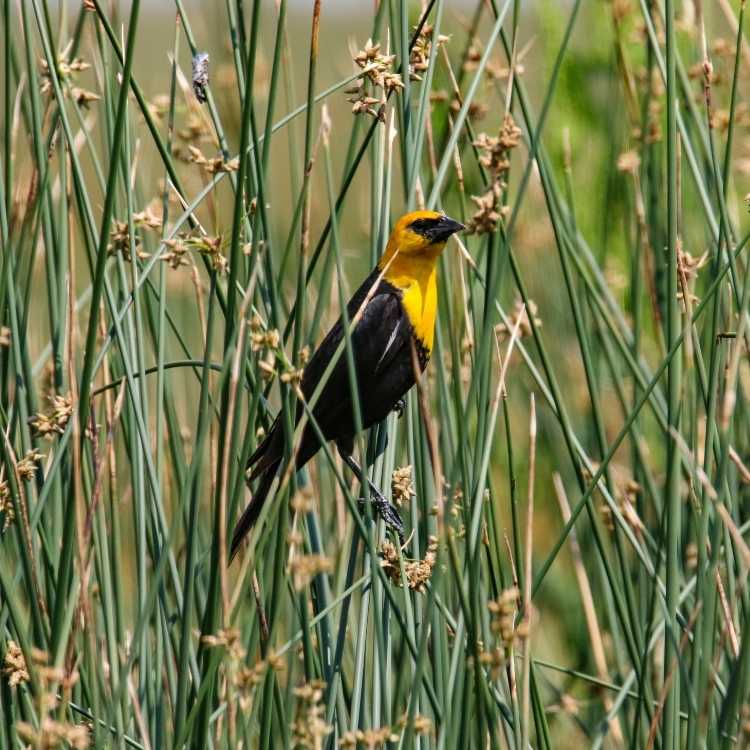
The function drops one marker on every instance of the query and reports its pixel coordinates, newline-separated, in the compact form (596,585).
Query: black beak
(442,229)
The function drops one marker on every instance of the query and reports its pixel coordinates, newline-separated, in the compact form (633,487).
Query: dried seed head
(629,162)
(422,49)
(83,97)
(14,667)
(27,466)
(6,507)
(309,728)
(215,165)
(504,611)
(371,739)
(305,567)
(520,318)
(48,425)
(489,213)
(416,572)
(53,734)
(402,486)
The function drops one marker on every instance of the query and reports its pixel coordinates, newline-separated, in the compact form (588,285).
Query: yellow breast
(419,298)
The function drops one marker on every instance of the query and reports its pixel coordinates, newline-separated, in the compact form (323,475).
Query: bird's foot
(388,512)
(399,407)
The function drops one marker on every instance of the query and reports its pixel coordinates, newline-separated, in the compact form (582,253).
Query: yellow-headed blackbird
(396,305)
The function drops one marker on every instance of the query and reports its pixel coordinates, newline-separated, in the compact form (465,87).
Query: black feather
(382,347)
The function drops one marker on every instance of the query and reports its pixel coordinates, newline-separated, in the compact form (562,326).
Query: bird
(394,313)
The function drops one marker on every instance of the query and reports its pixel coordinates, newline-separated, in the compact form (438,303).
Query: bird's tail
(250,514)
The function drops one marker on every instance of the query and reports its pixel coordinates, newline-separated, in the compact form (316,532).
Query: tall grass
(572,468)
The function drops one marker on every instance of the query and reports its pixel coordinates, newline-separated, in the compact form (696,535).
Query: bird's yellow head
(419,235)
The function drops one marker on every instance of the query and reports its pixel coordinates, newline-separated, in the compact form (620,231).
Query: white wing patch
(391,340)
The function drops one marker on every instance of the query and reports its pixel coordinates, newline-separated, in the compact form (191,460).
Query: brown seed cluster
(688,266)
(377,73)
(49,733)
(416,572)
(27,466)
(309,728)
(267,342)
(66,73)
(6,507)
(215,165)
(371,739)
(120,242)
(495,158)
(54,734)
(53,423)
(305,567)
(419,58)
(14,667)
(504,625)
(519,318)
(303,501)
(209,247)
(379,737)
(626,491)
(402,485)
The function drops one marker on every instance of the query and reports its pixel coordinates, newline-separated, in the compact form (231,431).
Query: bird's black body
(382,344)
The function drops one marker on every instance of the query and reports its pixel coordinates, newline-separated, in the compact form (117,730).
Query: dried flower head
(629,162)
(196,128)
(177,253)
(489,213)
(14,667)
(228,639)
(27,466)
(495,151)
(292,375)
(4,336)
(377,71)
(402,486)
(494,660)
(305,567)
(120,242)
(473,56)
(6,506)
(422,724)
(48,425)
(519,317)
(260,339)
(309,728)
(303,500)
(148,219)
(210,247)
(477,109)
(54,734)
(422,49)
(212,166)
(416,572)
(689,266)
(626,491)
(504,612)
(83,97)
(362,102)
(370,739)
(65,71)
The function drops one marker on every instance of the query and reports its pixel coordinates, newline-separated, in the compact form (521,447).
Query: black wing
(381,345)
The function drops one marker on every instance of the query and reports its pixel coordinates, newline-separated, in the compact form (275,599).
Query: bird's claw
(387,511)
(399,407)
